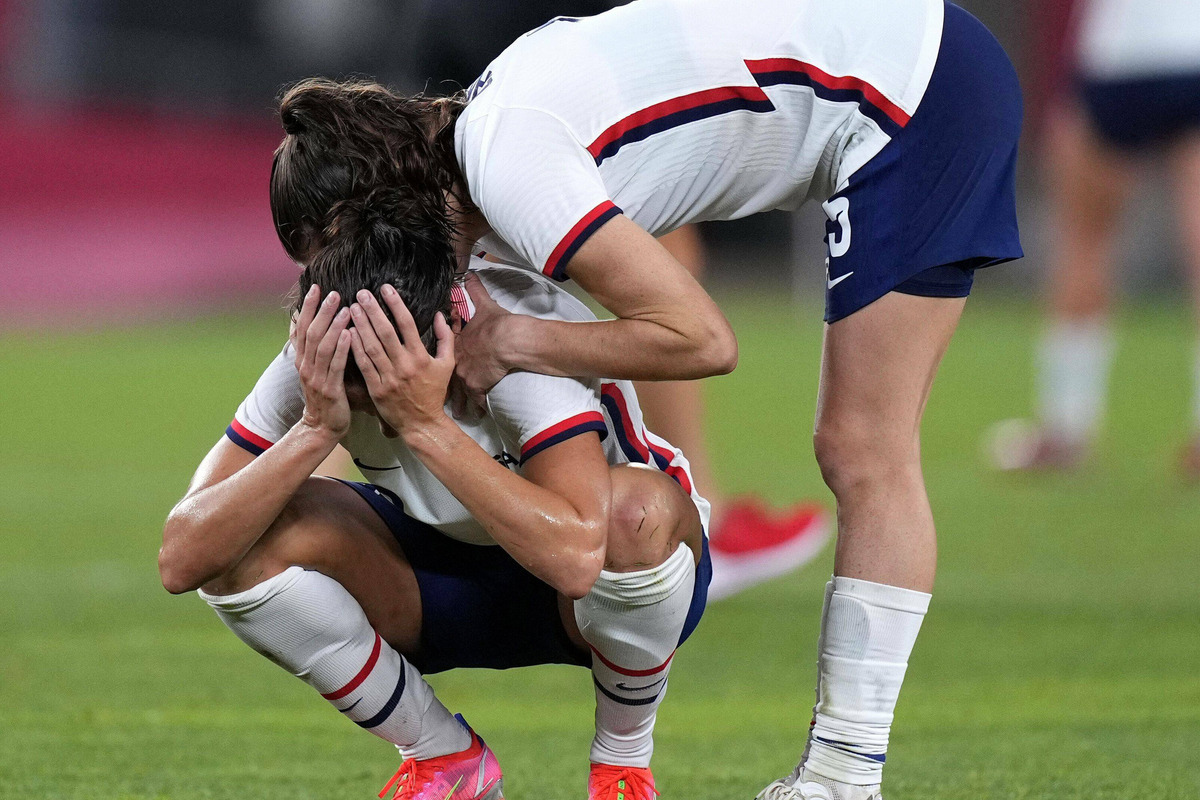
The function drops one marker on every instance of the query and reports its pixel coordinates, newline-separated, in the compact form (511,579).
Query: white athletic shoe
(804,784)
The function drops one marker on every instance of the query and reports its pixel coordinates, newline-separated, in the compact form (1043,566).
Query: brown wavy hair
(365,249)
(346,140)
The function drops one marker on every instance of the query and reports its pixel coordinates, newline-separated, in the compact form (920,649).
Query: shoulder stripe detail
(631,673)
(556,264)
(838,88)
(675,112)
(362,673)
(247,439)
(725,99)
(568,428)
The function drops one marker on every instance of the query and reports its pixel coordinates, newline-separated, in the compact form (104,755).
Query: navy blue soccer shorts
(480,608)
(1137,113)
(939,200)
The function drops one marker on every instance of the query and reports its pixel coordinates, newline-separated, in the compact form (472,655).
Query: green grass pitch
(1060,660)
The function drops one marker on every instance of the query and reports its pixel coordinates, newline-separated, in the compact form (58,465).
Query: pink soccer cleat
(473,774)
(750,545)
(606,782)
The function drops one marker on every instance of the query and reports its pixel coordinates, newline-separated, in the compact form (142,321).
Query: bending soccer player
(587,138)
(361,588)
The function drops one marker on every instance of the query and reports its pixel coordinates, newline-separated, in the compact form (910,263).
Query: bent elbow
(179,567)
(714,347)
(581,579)
(723,353)
(175,576)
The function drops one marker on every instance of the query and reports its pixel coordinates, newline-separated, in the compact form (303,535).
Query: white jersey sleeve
(540,187)
(271,409)
(532,411)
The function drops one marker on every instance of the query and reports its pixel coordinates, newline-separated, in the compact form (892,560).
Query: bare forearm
(211,529)
(629,349)
(557,542)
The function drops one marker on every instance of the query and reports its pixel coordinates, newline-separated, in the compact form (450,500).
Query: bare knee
(650,516)
(857,455)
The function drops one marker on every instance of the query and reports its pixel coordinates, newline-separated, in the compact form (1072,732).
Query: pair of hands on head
(407,385)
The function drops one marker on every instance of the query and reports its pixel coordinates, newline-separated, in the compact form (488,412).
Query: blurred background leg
(1088,183)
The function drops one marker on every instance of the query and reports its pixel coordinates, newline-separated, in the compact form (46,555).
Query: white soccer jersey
(677,111)
(526,414)
(1137,38)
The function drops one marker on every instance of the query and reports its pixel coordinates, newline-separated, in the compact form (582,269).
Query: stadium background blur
(141,287)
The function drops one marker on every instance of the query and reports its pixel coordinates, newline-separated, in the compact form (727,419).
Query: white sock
(867,635)
(1073,378)
(311,626)
(633,621)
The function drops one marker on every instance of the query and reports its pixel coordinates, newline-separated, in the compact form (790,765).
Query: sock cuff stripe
(388,707)
(880,758)
(362,673)
(632,673)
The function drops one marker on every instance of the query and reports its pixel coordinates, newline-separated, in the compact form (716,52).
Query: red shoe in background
(750,545)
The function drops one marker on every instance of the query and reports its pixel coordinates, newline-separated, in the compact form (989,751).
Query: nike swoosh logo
(361,465)
(482,784)
(834,282)
(625,688)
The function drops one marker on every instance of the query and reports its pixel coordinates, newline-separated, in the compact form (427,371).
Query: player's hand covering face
(407,385)
(481,364)
(321,341)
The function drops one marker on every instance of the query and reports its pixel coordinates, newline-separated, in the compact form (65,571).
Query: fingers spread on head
(300,323)
(365,332)
(409,335)
(337,365)
(320,324)
(365,364)
(444,335)
(379,322)
(329,342)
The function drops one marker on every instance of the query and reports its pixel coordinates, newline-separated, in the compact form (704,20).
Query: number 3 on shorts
(837,229)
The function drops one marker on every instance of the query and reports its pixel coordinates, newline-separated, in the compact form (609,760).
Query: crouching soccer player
(359,588)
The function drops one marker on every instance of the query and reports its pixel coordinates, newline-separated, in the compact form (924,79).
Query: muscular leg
(327,594)
(876,372)
(634,615)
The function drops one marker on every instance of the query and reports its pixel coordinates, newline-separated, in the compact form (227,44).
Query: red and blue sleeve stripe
(714,102)
(835,88)
(556,264)
(247,439)
(567,429)
(675,112)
